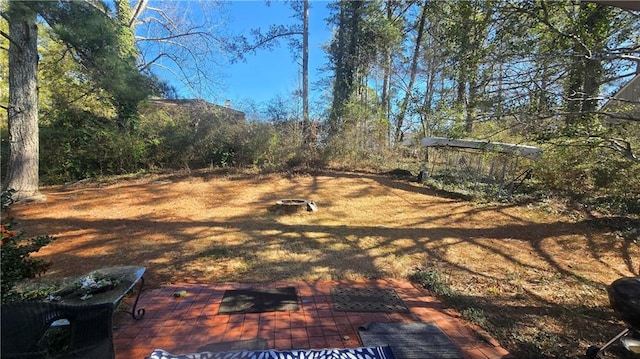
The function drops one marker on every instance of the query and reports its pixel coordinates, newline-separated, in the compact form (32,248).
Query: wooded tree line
(444,68)
(536,72)
(517,71)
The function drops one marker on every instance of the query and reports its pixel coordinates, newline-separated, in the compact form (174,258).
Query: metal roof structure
(531,152)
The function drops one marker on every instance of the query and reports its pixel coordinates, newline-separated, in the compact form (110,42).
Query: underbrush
(527,329)
(617,213)
(15,252)
(437,283)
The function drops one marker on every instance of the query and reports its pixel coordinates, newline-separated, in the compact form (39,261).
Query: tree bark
(23,161)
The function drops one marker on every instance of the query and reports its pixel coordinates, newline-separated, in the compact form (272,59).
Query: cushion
(347,353)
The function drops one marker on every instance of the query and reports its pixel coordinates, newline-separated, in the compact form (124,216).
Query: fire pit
(291,205)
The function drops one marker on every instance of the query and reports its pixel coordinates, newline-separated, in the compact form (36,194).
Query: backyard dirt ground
(537,274)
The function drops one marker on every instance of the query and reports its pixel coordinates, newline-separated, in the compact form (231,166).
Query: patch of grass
(625,228)
(432,280)
(437,283)
(474,315)
(217,252)
(538,344)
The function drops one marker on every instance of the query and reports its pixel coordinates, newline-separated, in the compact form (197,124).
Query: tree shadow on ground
(180,244)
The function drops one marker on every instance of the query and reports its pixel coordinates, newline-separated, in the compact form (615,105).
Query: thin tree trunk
(386,80)
(354,53)
(428,98)
(306,128)
(471,107)
(23,161)
(465,65)
(412,76)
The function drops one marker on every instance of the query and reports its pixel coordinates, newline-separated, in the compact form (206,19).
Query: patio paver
(183,324)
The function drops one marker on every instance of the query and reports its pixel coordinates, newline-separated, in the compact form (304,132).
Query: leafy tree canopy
(103,46)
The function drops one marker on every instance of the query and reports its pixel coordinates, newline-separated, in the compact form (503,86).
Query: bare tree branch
(618,116)
(241,46)
(612,115)
(270,37)
(614,56)
(149,63)
(168,33)
(615,78)
(5,35)
(139,7)
(166,19)
(170,37)
(620,146)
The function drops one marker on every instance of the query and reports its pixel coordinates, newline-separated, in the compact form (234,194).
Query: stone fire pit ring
(294,204)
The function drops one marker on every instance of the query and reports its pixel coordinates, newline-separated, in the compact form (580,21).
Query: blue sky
(270,73)
(262,75)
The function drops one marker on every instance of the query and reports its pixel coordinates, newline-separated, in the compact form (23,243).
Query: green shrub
(436,282)
(15,251)
(595,177)
(474,315)
(433,280)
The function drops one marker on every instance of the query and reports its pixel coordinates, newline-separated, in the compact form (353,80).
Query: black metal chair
(624,297)
(26,329)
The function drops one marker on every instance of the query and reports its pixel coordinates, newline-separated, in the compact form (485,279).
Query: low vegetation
(15,252)
(529,331)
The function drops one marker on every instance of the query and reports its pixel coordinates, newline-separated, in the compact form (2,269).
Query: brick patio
(183,324)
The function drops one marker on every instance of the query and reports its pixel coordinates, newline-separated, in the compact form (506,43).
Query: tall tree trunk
(354,61)
(386,77)
(346,58)
(428,97)
(126,105)
(465,63)
(23,161)
(412,75)
(585,74)
(309,137)
(472,104)
(595,22)
(341,76)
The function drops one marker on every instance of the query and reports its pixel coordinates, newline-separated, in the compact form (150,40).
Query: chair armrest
(25,323)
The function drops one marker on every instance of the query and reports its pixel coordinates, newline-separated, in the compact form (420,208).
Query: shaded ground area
(538,276)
